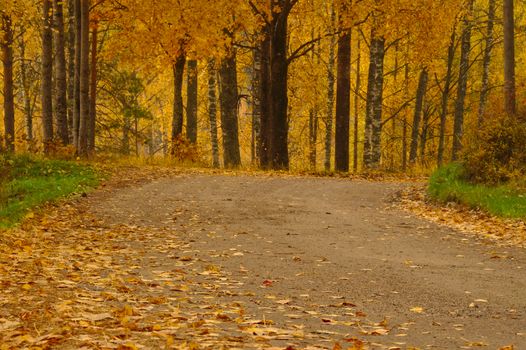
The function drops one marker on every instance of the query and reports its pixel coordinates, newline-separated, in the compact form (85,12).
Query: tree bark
(458,128)
(229,115)
(330,95)
(177,118)
(509,58)
(82,148)
(212,112)
(313,137)
(9,102)
(357,106)
(47,76)
(420,95)
(71,68)
(191,101)
(445,99)
(256,106)
(61,102)
(28,110)
(93,89)
(76,78)
(265,102)
(343,93)
(487,61)
(373,125)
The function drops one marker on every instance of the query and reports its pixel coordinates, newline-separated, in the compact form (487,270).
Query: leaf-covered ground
(208,262)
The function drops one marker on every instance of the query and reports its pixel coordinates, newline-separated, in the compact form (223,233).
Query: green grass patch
(448,184)
(27,182)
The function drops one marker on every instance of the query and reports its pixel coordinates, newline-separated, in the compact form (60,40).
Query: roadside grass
(26,182)
(448,184)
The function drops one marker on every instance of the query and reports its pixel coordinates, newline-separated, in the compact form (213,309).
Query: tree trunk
(71,68)
(229,115)
(82,149)
(458,129)
(373,126)
(93,89)
(256,106)
(509,58)
(404,125)
(330,95)
(424,134)
(313,137)
(357,106)
(212,112)
(28,110)
(9,102)
(76,78)
(486,61)
(47,76)
(191,101)
(445,99)
(61,102)
(265,102)
(343,103)
(419,104)
(279,85)
(177,118)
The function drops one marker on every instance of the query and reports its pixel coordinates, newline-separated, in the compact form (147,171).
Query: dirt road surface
(313,262)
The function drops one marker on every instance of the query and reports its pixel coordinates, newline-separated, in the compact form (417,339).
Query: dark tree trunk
(313,137)
(509,58)
(82,149)
(93,90)
(26,91)
(177,118)
(279,154)
(191,101)
(76,78)
(256,106)
(47,75)
(487,61)
(343,103)
(419,104)
(229,122)
(9,102)
(330,95)
(71,68)
(265,102)
(212,112)
(373,125)
(458,129)
(404,125)
(424,134)
(61,101)
(445,100)
(357,107)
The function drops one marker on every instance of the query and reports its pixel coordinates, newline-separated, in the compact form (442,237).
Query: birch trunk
(330,96)
(212,112)
(191,101)
(420,95)
(486,62)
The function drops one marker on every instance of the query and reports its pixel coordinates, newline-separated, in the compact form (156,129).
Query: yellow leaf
(417,309)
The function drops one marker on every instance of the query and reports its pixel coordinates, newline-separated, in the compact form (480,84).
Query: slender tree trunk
(93,89)
(423,136)
(47,76)
(404,125)
(191,101)
(71,68)
(229,111)
(445,100)
(84,79)
(256,105)
(9,102)
(76,89)
(458,128)
(487,61)
(28,111)
(212,112)
(343,104)
(265,102)
(330,95)
(177,119)
(279,86)
(357,107)
(373,130)
(61,102)
(420,95)
(313,137)
(509,58)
